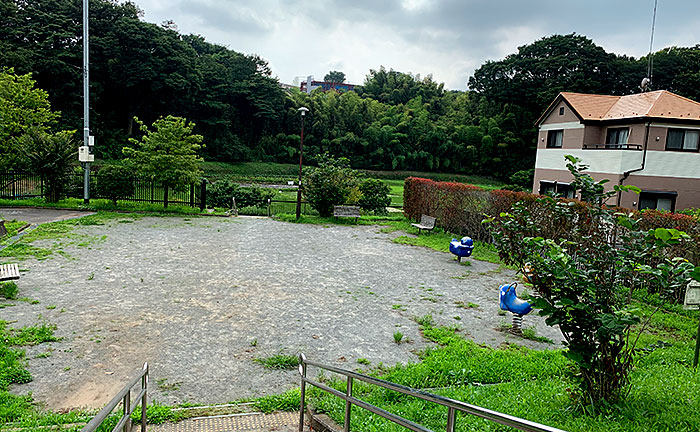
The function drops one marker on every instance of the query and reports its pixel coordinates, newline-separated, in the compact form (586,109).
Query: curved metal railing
(124,396)
(452,405)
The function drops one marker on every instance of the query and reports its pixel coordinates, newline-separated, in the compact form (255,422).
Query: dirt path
(201,299)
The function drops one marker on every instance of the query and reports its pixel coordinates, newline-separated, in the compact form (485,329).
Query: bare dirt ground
(201,299)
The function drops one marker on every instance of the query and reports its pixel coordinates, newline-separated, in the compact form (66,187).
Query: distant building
(649,140)
(310,85)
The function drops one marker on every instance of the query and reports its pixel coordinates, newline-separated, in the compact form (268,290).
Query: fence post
(14,194)
(153,191)
(203,195)
(302,372)
(165,196)
(127,407)
(144,386)
(192,195)
(348,405)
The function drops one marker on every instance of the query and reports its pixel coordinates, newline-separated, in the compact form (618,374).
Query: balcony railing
(612,147)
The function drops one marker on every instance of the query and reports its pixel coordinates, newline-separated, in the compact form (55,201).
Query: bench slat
(9,272)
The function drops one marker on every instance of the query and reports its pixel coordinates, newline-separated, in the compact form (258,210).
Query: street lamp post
(302,111)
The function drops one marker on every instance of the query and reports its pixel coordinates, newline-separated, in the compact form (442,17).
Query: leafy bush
(375,195)
(523,178)
(329,184)
(50,156)
(115,182)
(221,192)
(581,273)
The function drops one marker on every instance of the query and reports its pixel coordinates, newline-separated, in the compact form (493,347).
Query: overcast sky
(448,39)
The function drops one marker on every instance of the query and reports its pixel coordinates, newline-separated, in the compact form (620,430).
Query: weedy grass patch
(279,361)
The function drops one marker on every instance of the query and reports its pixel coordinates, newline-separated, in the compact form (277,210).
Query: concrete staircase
(231,418)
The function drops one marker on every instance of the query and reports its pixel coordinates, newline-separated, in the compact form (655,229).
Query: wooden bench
(8,272)
(426,223)
(346,211)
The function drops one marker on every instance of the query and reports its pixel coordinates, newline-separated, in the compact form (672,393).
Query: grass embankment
(535,385)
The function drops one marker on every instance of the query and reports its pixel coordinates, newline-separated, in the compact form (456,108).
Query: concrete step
(240,422)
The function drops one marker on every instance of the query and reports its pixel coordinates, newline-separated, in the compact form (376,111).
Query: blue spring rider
(510,302)
(462,248)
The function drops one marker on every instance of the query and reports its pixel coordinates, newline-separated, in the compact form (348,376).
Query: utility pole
(85,159)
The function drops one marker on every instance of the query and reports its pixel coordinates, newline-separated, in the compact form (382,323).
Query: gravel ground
(200,299)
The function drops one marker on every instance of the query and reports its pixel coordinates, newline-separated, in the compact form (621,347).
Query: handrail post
(302,372)
(144,387)
(127,407)
(450,419)
(348,405)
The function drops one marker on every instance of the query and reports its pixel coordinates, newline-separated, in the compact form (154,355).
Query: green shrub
(375,195)
(8,290)
(329,184)
(114,182)
(221,192)
(582,273)
(523,179)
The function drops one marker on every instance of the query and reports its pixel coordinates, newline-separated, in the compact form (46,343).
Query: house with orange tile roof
(649,140)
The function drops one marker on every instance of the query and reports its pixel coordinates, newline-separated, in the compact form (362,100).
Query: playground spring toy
(510,302)
(462,248)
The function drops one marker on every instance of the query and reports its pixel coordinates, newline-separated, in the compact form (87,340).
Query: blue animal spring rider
(510,302)
(462,248)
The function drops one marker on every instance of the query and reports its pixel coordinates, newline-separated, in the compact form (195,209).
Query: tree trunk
(165,195)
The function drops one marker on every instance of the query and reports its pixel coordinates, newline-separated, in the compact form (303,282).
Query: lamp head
(303,111)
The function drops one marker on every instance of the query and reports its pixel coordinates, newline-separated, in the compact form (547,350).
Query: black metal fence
(20,185)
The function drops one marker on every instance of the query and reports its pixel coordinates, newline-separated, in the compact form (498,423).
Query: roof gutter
(644,159)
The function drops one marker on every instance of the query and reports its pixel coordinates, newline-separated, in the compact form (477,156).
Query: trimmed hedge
(459,208)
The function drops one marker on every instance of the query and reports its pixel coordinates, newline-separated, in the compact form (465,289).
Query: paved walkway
(201,299)
(39,216)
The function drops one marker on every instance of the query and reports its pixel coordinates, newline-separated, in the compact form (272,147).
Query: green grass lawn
(535,385)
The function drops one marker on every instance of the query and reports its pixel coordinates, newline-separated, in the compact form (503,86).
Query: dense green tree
(335,76)
(23,108)
(115,182)
(167,154)
(51,156)
(534,75)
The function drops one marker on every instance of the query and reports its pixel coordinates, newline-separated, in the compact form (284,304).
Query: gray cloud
(448,38)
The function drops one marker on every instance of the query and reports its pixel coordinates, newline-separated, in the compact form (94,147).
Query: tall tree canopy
(335,76)
(394,121)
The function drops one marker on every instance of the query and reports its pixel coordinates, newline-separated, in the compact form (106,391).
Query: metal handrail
(612,147)
(452,405)
(124,396)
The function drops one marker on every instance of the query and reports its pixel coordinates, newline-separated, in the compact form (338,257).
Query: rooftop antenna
(646,81)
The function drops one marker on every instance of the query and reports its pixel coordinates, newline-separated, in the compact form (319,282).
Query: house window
(657,200)
(617,136)
(560,189)
(554,138)
(561,110)
(682,139)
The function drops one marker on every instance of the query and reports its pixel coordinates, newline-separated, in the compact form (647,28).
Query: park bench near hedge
(346,211)
(426,223)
